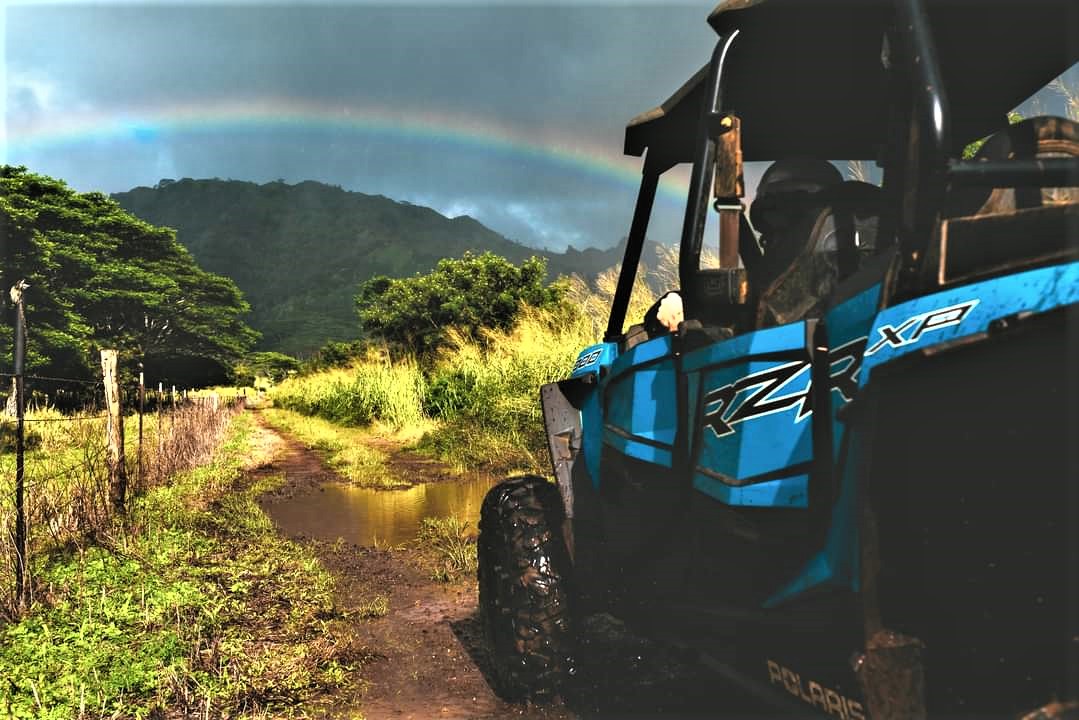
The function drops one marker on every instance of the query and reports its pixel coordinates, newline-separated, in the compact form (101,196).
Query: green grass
(478,400)
(65,480)
(451,543)
(197,608)
(477,406)
(369,390)
(489,393)
(376,607)
(345,449)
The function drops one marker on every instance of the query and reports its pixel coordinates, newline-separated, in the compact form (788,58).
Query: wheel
(524,583)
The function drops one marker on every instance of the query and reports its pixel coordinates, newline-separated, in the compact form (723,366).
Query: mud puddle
(375,518)
(429,659)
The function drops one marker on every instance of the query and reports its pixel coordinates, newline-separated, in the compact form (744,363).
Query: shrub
(471,294)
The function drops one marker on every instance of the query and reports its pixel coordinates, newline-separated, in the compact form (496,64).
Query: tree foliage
(272,365)
(299,251)
(335,354)
(470,294)
(972,148)
(100,277)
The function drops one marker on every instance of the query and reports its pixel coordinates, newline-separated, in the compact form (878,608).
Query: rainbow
(467,133)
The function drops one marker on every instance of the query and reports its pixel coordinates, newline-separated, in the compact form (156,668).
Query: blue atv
(850,475)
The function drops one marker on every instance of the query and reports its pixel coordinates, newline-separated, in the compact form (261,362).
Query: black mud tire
(524,585)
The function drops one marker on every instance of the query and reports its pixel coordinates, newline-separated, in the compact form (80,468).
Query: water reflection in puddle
(366,517)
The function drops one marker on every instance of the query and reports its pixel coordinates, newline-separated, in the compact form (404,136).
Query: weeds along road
(424,655)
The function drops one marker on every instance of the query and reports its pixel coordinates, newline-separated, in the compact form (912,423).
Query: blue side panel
(590,361)
(643,403)
(789,492)
(592,435)
(641,414)
(639,450)
(767,442)
(965,311)
(772,340)
(642,354)
(852,319)
(837,562)
(753,411)
(848,327)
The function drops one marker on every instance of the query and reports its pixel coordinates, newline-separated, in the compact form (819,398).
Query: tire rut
(427,656)
(427,651)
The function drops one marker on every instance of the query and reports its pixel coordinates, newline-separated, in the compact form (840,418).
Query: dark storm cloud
(578,73)
(555,71)
(556,65)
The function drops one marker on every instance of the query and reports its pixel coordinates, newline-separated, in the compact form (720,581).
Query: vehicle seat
(1037,137)
(988,230)
(842,236)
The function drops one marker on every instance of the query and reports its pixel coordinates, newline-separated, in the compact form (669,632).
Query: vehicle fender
(561,402)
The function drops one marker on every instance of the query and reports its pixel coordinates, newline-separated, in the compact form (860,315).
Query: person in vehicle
(789,197)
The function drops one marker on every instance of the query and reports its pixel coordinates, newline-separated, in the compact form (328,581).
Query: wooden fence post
(114,431)
(142,410)
(22,577)
(160,438)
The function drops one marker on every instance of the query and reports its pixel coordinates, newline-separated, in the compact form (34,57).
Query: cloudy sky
(512,114)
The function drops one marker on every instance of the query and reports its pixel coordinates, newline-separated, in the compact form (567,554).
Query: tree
(273,365)
(100,277)
(470,294)
(972,148)
(334,353)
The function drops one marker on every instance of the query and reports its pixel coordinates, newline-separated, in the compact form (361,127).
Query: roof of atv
(806,78)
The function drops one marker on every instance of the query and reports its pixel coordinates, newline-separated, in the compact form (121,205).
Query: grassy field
(476,405)
(346,449)
(197,607)
(66,479)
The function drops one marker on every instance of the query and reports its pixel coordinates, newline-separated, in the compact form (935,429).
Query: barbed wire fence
(65,463)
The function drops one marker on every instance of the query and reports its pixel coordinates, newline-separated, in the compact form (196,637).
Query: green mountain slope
(298,252)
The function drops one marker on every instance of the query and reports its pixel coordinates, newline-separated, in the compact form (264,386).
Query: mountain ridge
(298,252)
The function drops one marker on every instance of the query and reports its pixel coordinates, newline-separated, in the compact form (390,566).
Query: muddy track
(426,655)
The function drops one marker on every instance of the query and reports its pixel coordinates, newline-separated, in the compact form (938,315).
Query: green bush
(471,294)
(335,354)
(450,391)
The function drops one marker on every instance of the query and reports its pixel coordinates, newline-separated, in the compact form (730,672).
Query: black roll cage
(918,169)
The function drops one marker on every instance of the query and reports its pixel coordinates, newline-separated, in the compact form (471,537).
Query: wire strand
(70,418)
(66,418)
(60,379)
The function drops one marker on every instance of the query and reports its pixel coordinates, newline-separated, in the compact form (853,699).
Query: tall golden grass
(481,395)
(372,388)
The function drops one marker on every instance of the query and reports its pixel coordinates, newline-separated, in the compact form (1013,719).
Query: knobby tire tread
(524,586)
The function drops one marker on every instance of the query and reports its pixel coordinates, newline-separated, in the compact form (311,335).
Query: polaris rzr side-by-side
(850,477)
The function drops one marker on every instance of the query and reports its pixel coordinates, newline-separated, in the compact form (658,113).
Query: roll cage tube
(700,182)
(694,222)
(928,138)
(923,168)
(634,244)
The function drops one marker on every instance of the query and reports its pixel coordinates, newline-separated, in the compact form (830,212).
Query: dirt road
(426,654)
